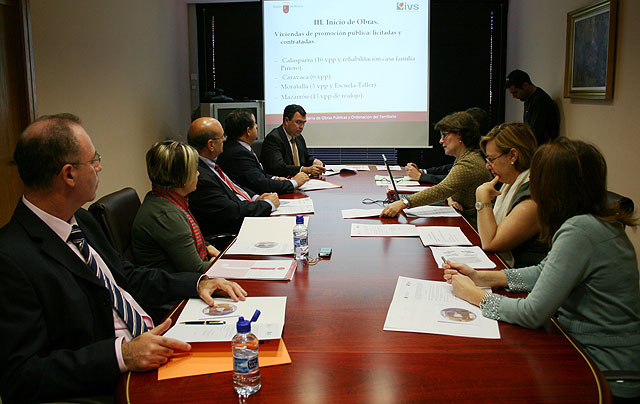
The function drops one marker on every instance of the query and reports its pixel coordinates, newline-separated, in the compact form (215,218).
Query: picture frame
(590,53)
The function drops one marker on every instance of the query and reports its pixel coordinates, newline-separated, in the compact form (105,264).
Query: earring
(512,162)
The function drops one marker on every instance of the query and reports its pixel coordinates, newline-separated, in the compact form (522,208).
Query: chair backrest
(116,213)
(257,147)
(624,204)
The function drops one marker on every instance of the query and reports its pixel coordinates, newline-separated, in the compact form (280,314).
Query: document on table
(384,180)
(472,256)
(214,357)
(442,236)
(266,236)
(383,230)
(392,168)
(430,307)
(294,207)
(226,311)
(314,184)
(266,270)
(355,213)
(346,168)
(432,211)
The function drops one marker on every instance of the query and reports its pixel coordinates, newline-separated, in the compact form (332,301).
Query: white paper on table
(430,307)
(337,168)
(383,230)
(329,173)
(442,236)
(269,324)
(294,207)
(392,168)
(266,236)
(384,180)
(411,189)
(472,256)
(314,184)
(355,213)
(266,270)
(346,168)
(432,211)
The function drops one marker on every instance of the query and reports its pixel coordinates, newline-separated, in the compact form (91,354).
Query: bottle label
(244,365)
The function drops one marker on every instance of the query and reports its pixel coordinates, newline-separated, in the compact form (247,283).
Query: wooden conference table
(335,314)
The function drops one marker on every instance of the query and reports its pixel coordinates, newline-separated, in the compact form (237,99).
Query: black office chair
(116,213)
(622,203)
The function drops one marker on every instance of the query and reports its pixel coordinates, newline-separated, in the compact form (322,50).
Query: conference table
(335,314)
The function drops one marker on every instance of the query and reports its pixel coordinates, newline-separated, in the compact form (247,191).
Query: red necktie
(231,185)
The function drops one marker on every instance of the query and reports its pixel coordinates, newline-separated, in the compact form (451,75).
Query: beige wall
(122,66)
(536,44)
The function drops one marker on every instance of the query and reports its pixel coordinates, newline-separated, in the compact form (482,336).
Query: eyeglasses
(445,133)
(300,123)
(224,136)
(97,159)
(491,160)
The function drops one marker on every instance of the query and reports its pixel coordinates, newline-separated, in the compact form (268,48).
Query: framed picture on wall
(591,44)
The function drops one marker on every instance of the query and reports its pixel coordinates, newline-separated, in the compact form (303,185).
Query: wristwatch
(482,205)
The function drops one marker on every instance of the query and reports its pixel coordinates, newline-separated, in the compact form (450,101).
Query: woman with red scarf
(165,234)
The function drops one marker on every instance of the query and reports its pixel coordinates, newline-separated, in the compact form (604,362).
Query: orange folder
(215,357)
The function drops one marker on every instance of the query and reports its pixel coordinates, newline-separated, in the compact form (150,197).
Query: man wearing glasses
(284,151)
(218,203)
(71,311)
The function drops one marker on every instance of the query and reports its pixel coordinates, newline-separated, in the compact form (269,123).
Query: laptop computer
(395,195)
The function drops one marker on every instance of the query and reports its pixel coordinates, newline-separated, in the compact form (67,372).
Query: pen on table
(207,322)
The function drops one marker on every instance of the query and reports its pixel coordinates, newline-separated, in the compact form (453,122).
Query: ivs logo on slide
(404,6)
(285,8)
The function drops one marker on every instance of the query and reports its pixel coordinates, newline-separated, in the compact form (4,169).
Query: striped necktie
(131,317)
(231,185)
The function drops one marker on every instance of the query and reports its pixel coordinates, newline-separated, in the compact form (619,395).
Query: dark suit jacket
(217,208)
(244,169)
(276,153)
(56,318)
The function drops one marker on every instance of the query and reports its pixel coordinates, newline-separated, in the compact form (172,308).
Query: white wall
(122,66)
(536,44)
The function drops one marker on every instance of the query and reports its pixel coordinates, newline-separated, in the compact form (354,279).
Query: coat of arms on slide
(285,8)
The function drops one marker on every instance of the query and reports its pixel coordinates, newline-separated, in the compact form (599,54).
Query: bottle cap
(299,219)
(244,326)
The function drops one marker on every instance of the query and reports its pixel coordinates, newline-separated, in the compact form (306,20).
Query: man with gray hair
(71,310)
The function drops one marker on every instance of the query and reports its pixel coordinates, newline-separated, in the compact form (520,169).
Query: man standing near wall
(540,112)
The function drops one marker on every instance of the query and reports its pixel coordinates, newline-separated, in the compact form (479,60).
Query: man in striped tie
(219,204)
(71,311)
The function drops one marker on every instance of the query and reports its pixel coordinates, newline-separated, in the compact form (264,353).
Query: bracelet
(484,301)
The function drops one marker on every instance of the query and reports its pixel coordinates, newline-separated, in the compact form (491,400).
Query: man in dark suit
(218,204)
(284,151)
(240,162)
(71,314)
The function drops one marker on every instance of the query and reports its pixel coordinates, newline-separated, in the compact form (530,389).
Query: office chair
(116,212)
(623,204)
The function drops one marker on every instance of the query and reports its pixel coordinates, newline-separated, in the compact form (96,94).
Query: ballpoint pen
(205,322)
(444,260)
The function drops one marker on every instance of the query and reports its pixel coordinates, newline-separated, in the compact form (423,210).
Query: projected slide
(347,60)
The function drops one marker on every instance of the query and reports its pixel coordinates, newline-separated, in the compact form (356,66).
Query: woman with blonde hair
(511,227)
(165,234)
(589,279)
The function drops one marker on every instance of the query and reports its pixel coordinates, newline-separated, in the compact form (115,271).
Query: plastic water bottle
(246,370)
(301,239)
